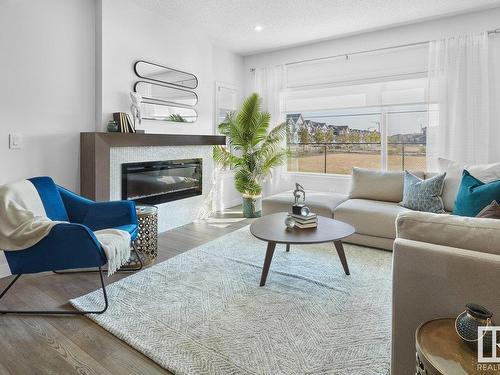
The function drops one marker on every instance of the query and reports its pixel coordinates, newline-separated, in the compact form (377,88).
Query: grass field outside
(312,159)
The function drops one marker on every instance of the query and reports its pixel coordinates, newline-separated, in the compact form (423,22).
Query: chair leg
(9,286)
(134,269)
(57,312)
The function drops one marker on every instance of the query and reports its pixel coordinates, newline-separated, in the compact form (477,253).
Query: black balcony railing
(340,157)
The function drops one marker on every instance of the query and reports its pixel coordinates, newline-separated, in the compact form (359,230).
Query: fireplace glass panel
(161,181)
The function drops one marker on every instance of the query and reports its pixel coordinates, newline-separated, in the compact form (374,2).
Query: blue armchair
(71,245)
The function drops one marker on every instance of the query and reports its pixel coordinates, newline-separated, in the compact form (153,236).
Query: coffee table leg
(340,252)
(267,262)
(287,247)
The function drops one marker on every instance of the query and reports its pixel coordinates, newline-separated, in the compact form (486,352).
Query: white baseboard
(231,203)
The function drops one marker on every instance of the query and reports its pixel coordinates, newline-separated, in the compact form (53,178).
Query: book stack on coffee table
(303,222)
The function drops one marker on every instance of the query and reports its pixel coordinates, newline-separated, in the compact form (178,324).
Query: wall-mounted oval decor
(165,112)
(164,74)
(157,92)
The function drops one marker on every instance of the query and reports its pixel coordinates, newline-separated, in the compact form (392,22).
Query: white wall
(480,21)
(419,32)
(47,88)
(227,67)
(130,33)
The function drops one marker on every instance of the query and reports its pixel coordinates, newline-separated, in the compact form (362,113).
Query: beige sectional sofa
(374,221)
(440,263)
(322,203)
(371,206)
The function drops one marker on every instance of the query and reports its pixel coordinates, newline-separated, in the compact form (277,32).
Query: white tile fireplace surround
(170,214)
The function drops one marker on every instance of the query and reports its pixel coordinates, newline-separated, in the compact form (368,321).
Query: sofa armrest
(448,230)
(432,281)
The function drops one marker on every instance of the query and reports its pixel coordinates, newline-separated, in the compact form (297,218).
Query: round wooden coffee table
(271,228)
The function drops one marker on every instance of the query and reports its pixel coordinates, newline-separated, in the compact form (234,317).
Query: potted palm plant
(256,151)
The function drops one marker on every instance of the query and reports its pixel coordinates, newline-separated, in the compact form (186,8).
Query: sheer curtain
(459,123)
(268,83)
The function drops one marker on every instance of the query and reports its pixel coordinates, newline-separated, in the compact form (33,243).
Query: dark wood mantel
(146,139)
(95,162)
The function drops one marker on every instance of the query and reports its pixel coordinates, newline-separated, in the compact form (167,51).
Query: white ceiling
(231,23)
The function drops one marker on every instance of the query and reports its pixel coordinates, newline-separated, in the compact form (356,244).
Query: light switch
(15,141)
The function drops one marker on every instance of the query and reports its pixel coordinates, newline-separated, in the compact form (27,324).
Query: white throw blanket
(116,246)
(24,222)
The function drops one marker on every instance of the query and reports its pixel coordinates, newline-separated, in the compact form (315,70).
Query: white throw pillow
(453,169)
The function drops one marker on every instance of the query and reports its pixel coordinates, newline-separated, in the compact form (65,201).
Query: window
(378,125)
(227,99)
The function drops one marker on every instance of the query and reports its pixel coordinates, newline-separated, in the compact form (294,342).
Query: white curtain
(459,123)
(268,83)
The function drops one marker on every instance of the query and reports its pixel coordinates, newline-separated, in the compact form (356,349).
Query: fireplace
(155,182)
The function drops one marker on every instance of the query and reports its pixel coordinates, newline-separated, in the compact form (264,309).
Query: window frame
(218,87)
(384,113)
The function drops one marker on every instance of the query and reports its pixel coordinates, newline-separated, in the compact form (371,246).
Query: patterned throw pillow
(423,195)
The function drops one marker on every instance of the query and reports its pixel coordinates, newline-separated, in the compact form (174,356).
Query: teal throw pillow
(423,195)
(474,195)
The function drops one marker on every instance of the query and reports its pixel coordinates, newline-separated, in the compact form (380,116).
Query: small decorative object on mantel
(301,215)
(135,107)
(468,322)
(124,123)
(112,126)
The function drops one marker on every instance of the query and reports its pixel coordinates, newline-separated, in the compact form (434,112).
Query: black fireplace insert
(154,182)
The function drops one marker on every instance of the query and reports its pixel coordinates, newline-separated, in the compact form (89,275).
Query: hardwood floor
(76,345)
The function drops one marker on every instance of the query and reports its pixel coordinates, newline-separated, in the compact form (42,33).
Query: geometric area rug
(203,312)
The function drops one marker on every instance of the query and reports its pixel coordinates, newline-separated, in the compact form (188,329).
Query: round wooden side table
(440,351)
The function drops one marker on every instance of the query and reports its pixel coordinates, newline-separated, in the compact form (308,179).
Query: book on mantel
(124,123)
